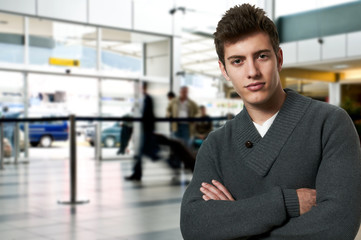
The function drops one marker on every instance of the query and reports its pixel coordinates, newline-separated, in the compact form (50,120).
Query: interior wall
(157,59)
(136,15)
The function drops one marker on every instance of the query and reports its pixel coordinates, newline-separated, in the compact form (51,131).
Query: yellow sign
(64,62)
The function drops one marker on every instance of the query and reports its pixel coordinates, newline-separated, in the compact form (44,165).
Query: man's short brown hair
(239,21)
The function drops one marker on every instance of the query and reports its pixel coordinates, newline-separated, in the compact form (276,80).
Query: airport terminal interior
(71,74)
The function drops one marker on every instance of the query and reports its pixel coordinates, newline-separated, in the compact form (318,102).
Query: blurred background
(89,57)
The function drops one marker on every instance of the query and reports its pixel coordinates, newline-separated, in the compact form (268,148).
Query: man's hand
(306,198)
(215,192)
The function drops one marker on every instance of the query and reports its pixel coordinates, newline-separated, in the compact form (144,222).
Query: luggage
(178,152)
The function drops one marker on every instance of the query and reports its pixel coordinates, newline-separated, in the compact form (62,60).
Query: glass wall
(11,38)
(11,91)
(54,95)
(120,52)
(62,95)
(51,39)
(117,100)
(117,97)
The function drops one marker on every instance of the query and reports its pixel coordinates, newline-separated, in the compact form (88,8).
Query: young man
(287,166)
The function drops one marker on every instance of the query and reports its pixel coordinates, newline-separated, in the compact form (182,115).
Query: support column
(26,41)
(26,114)
(98,126)
(26,86)
(269,7)
(176,50)
(334,93)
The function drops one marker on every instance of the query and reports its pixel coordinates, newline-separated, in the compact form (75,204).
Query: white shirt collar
(262,129)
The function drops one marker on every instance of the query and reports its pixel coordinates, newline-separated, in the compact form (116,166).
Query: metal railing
(72,132)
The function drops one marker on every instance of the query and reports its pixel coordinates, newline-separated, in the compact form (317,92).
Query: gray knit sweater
(309,145)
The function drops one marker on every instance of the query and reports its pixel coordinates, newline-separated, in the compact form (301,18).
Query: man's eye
(263,56)
(237,61)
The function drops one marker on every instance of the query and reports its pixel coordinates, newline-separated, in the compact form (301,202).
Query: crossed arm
(216,191)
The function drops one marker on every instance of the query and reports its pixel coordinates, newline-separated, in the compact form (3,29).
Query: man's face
(183,94)
(253,68)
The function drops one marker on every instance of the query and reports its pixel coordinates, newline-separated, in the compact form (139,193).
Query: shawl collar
(264,151)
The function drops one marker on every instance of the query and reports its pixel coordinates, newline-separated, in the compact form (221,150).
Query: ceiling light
(340,66)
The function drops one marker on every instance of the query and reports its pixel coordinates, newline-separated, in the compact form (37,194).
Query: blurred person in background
(148,144)
(170,95)
(204,127)
(182,107)
(125,133)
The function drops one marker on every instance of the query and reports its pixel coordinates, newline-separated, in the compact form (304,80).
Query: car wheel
(46,141)
(109,142)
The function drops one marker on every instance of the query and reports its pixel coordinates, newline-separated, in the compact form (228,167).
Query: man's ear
(279,59)
(223,70)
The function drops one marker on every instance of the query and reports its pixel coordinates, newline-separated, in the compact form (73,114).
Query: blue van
(44,133)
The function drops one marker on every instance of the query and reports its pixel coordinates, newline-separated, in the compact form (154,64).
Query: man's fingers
(212,192)
(223,189)
(206,198)
(217,192)
(205,189)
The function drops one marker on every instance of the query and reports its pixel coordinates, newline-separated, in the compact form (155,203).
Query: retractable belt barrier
(110,119)
(72,119)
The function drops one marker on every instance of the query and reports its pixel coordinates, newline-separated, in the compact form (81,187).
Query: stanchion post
(2,145)
(98,142)
(16,143)
(73,165)
(26,139)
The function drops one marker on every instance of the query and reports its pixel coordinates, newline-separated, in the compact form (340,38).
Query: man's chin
(259,100)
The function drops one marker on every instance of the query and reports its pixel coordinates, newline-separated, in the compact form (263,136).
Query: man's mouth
(255,86)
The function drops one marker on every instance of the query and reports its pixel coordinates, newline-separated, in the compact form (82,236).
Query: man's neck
(263,112)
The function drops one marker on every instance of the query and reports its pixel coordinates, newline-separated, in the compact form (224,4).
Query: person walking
(125,134)
(148,145)
(182,107)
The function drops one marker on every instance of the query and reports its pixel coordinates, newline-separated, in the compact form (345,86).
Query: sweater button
(249,144)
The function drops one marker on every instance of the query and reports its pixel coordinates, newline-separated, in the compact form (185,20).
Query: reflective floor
(29,195)
(146,210)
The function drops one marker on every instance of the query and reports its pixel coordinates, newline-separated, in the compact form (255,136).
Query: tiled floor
(29,195)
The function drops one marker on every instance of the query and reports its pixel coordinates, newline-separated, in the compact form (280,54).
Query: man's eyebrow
(235,56)
(256,53)
(263,51)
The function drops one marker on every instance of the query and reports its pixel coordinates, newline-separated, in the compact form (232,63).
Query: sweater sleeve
(227,219)
(338,185)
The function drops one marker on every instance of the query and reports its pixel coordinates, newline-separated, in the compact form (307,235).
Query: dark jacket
(148,116)
(310,144)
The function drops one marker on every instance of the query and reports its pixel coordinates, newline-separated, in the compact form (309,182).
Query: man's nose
(252,69)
